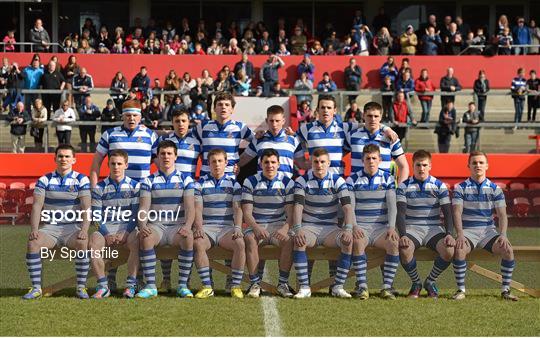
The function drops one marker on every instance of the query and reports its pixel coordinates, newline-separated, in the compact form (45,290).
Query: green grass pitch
(481,314)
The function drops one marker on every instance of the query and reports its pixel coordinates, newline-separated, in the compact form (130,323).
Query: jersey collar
(63,178)
(421,184)
(168,178)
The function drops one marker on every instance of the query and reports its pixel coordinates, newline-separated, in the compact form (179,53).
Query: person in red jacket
(402,115)
(424,84)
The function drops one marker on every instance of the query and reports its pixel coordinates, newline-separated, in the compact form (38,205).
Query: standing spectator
(533,97)
(446,127)
(519,89)
(304,84)
(40,38)
(326,85)
(424,84)
(268,74)
(277,91)
(432,22)
(109,114)
(82,85)
(389,69)
(353,114)
(186,85)
(535,37)
(522,36)
(119,89)
(63,118)
(17,119)
(471,117)
(304,114)
(382,41)
(245,65)
(454,41)
(241,83)
(505,42)
(408,41)
(402,115)
(199,93)
(353,78)
(141,83)
(431,42)
(14,85)
(298,42)
(52,79)
(4,73)
(39,117)
(502,23)
(306,66)
(381,20)
(363,38)
(152,115)
(463,28)
(9,41)
(172,83)
(449,84)
(387,88)
(32,80)
(480,88)
(70,70)
(405,83)
(88,112)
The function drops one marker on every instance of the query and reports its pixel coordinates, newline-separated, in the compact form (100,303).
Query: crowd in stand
(452,36)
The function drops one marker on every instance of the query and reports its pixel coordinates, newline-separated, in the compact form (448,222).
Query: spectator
(533,97)
(102,49)
(152,46)
(282,51)
(89,27)
(387,88)
(40,38)
(52,79)
(331,40)
(471,117)
(89,38)
(405,83)
(462,27)
(17,119)
(535,36)
(39,117)
(241,83)
(119,89)
(348,47)
(353,78)
(330,51)
(152,114)
(519,89)
(502,23)
(63,118)
(222,83)
(282,39)
(353,114)
(104,39)
(82,84)
(481,88)
(276,91)
(248,40)
(431,42)
(405,65)
(449,84)
(522,36)
(68,46)
(505,42)
(88,112)
(9,41)
(424,84)
(199,94)
(176,104)
(382,41)
(70,70)
(85,47)
(316,48)
(298,42)
(359,18)
(265,41)
(214,48)
(109,114)
(199,115)
(32,79)
(75,41)
(408,41)
(326,85)
(136,35)
(446,127)
(381,20)
(475,42)
(445,29)
(402,115)
(172,83)
(245,65)
(432,22)
(14,85)
(186,85)
(363,38)
(233,48)
(304,113)
(141,83)
(306,66)
(268,74)
(453,41)
(389,68)
(304,84)
(118,47)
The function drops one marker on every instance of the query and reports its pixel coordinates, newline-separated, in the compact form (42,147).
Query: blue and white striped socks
(507,268)
(206,276)
(148,264)
(34,266)
(411,270)
(82,266)
(439,265)
(391,264)
(301,265)
(185,262)
(342,269)
(359,263)
(460,268)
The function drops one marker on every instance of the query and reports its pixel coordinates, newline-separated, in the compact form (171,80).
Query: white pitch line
(272,323)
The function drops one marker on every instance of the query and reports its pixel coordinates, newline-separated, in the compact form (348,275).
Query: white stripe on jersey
(139,144)
(189,149)
(123,195)
(268,197)
(478,202)
(424,200)
(217,197)
(62,194)
(370,196)
(358,139)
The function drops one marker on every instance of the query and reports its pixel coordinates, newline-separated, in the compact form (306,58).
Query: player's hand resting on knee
(405,242)
(358,233)
(300,238)
(237,233)
(449,241)
(503,242)
(282,234)
(183,231)
(392,235)
(346,237)
(260,233)
(82,235)
(461,242)
(146,231)
(198,233)
(33,235)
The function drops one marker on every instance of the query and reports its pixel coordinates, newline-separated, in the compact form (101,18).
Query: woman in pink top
(421,85)
(304,114)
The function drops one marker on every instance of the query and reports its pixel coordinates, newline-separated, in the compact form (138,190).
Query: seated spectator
(424,84)
(349,47)
(382,41)
(88,112)
(17,118)
(326,85)
(533,97)
(214,48)
(304,112)
(431,42)
(449,84)
(9,41)
(389,69)
(175,104)
(505,42)
(248,40)
(446,127)
(67,46)
(522,36)
(277,91)
(102,49)
(222,83)
(104,38)
(306,66)
(331,40)
(152,47)
(232,48)
(408,41)
(199,49)
(353,114)
(265,41)
(199,94)
(109,114)
(471,117)
(330,51)
(316,49)
(245,65)
(241,83)
(136,35)
(118,47)
(389,89)
(282,50)
(304,84)
(474,42)
(152,114)
(85,47)
(198,115)
(298,42)
(141,83)
(480,88)
(63,118)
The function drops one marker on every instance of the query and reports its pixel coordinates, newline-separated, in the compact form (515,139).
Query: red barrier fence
(500,69)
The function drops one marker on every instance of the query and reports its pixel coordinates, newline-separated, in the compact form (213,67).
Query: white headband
(131,110)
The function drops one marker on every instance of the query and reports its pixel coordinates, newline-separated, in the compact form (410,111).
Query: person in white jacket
(63,118)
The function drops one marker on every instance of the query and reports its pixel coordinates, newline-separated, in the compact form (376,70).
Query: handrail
(484,46)
(31,44)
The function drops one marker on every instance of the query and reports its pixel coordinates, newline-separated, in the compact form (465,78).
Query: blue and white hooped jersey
(268,197)
(287,146)
(424,200)
(139,144)
(369,193)
(109,196)
(62,195)
(322,198)
(189,149)
(228,136)
(478,200)
(217,197)
(358,139)
(167,195)
(314,135)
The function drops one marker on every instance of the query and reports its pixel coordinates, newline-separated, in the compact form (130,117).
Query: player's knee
(81,244)
(447,253)
(406,252)
(392,246)
(198,244)
(34,246)
(250,243)
(239,244)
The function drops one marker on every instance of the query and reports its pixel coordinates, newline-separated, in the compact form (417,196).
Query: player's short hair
(421,155)
(274,109)
(368,107)
(476,153)
(326,97)
(179,112)
(268,153)
(132,106)
(320,152)
(371,148)
(472,102)
(119,153)
(64,146)
(217,151)
(224,96)
(167,144)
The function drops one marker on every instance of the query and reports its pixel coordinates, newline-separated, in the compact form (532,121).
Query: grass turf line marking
(272,323)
